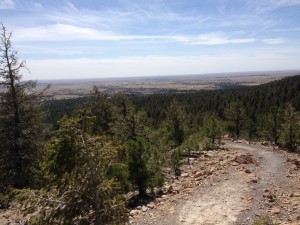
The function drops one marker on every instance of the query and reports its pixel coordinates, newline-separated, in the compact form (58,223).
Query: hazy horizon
(229,74)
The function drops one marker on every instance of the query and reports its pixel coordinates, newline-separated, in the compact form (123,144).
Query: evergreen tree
(21,120)
(144,161)
(176,161)
(235,114)
(81,189)
(102,108)
(212,127)
(290,135)
(129,123)
(251,127)
(174,127)
(270,124)
(142,172)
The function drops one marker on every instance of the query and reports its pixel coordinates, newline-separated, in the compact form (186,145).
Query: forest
(73,161)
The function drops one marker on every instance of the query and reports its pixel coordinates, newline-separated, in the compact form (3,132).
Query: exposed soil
(237,191)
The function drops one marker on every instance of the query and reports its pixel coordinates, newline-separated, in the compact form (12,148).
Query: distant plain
(63,89)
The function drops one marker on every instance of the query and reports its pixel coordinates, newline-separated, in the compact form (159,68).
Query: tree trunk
(94,179)
(19,180)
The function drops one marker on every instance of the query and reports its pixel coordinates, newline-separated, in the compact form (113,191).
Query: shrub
(264,220)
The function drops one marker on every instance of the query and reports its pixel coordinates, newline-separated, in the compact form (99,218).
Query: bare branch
(50,200)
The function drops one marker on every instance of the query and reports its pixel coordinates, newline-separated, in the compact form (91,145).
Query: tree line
(74,163)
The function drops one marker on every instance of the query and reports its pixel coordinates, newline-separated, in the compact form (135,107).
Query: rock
(244,159)
(139,207)
(276,210)
(235,164)
(17,223)
(144,208)
(296,194)
(134,212)
(189,190)
(191,160)
(168,188)
(184,175)
(269,195)
(187,185)
(181,220)
(198,174)
(151,205)
(247,171)
(198,179)
(177,188)
(254,179)
(297,163)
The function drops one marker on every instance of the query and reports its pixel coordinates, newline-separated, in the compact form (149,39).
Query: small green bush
(207,145)
(264,220)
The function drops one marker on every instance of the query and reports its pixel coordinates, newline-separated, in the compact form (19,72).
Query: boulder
(244,159)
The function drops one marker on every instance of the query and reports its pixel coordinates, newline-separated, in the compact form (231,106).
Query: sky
(62,39)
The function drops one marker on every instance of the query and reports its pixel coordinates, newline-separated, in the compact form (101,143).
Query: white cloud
(218,39)
(7,4)
(63,32)
(274,41)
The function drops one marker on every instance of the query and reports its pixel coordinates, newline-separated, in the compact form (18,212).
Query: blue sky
(110,38)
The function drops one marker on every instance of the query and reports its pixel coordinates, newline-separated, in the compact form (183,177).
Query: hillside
(143,156)
(256,99)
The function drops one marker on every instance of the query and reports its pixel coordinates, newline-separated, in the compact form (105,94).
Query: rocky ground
(234,186)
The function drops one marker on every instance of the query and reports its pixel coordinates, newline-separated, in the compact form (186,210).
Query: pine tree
(78,165)
(212,127)
(102,108)
(290,135)
(138,152)
(270,124)
(144,160)
(129,123)
(21,120)
(174,127)
(235,114)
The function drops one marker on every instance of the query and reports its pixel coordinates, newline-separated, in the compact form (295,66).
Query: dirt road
(237,195)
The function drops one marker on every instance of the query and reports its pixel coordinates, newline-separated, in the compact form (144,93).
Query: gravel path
(271,172)
(234,197)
